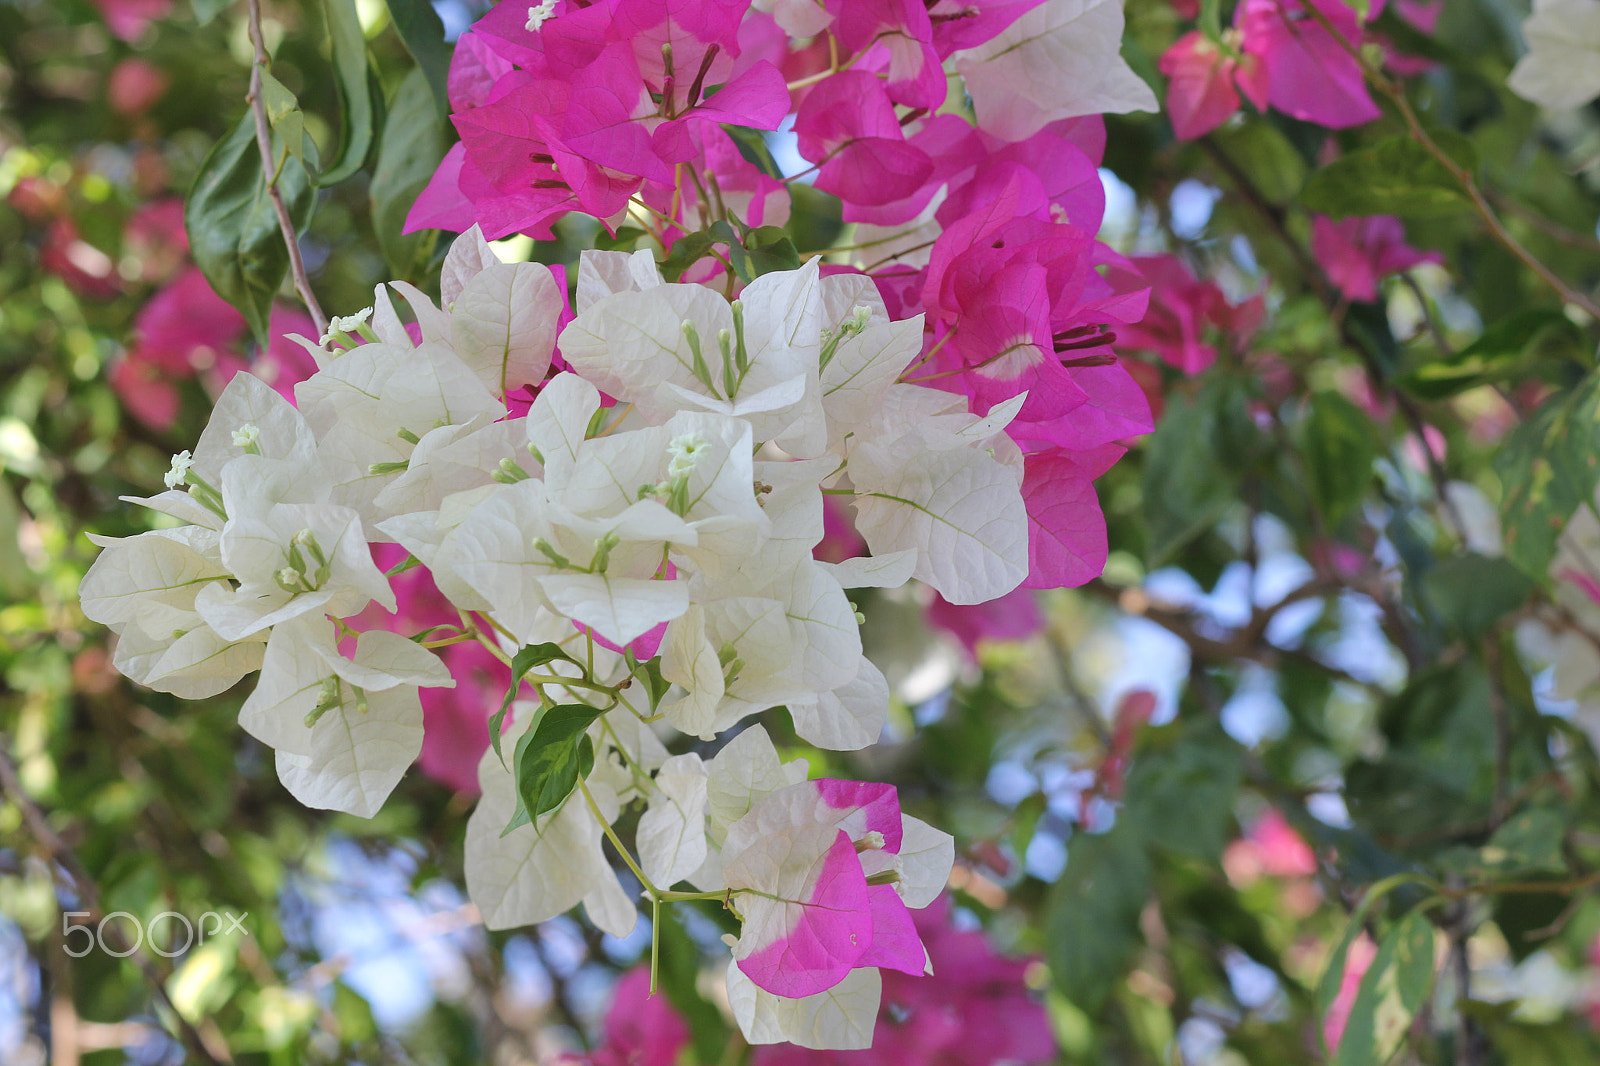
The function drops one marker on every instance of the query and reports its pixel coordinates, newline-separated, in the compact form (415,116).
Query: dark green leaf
(1339,444)
(233,230)
(422,30)
(770,249)
(1194,464)
(1094,913)
(414,140)
(549,760)
(1261,151)
(1528,842)
(526,660)
(1394,987)
(356,115)
(1396,176)
(1548,468)
(1472,592)
(1499,354)
(1182,788)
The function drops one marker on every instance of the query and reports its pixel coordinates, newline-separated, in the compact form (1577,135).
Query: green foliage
(233,228)
(358,119)
(1397,176)
(1548,468)
(1392,990)
(423,32)
(551,758)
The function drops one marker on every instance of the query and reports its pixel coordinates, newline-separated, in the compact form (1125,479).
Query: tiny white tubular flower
(539,14)
(178,474)
(1562,67)
(249,419)
(372,405)
(289,559)
(539,870)
(144,588)
(671,835)
(345,730)
(346,324)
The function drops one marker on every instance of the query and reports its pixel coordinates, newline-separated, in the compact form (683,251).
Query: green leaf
(528,659)
(422,31)
(350,68)
(283,112)
(1394,987)
(1194,464)
(549,760)
(1340,444)
(1182,787)
(1498,354)
(233,229)
(1548,468)
(1529,841)
(1472,592)
(1260,150)
(1333,974)
(1093,913)
(1397,176)
(414,140)
(770,249)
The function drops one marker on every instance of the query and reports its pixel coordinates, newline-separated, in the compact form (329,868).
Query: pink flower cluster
(617,109)
(1284,55)
(973,1010)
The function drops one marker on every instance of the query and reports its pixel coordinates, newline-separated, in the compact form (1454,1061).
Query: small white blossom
(539,14)
(345,325)
(247,436)
(179,473)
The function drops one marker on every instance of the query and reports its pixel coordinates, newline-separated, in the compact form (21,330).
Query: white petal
(357,756)
(672,833)
(840,1019)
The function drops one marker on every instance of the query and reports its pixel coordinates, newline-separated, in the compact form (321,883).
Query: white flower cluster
(679,515)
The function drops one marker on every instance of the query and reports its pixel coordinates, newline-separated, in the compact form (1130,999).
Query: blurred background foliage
(1293,760)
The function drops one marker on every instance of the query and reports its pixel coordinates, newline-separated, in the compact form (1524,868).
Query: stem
(297,266)
(605,826)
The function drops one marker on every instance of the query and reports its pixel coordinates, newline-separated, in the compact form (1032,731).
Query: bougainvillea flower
(847,125)
(1310,73)
(1204,80)
(1181,309)
(127,18)
(824,872)
(1356,252)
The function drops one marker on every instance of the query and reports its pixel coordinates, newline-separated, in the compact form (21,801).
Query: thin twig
(1467,180)
(297,266)
(83,887)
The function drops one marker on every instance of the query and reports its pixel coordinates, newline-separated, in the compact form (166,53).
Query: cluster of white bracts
(694,502)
